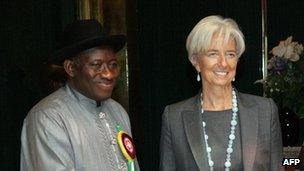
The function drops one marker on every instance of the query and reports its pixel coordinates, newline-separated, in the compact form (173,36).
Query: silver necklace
(231,137)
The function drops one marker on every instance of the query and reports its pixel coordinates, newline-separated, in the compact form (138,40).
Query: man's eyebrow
(100,60)
(96,60)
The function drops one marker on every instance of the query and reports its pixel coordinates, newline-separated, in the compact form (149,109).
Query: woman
(220,128)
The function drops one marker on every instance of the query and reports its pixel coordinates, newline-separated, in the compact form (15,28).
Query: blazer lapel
(192,124)
(249,131)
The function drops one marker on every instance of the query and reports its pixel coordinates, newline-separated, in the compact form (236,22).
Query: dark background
(160,72)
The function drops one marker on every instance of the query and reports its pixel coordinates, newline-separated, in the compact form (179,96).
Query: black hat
(82,35)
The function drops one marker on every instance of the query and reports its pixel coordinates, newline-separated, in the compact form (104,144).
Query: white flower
(279,50)
(294,57)
(290,53)
(288,49)
(298,48)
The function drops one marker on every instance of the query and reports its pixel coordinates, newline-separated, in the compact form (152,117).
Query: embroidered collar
(87,102)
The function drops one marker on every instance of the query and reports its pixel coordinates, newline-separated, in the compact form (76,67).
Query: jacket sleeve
(45,144)
(276,139)
(167,158)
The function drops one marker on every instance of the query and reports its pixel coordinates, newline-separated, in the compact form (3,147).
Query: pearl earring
(198,78)
(233,79)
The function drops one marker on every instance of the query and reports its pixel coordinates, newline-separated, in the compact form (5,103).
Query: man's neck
(98,103)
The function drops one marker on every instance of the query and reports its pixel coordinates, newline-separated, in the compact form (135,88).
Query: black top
(218,129)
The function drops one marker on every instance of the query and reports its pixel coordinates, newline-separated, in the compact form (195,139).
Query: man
(76,127)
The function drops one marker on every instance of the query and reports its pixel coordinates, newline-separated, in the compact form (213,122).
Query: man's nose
(106,72)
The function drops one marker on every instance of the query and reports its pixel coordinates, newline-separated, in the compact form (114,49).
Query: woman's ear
(69,67)
(195,63)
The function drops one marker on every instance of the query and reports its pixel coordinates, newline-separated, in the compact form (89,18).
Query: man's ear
(69,67)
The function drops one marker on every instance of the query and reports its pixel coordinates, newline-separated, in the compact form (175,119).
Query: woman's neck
(217,98)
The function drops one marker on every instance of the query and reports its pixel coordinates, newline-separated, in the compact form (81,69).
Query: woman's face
(218,64)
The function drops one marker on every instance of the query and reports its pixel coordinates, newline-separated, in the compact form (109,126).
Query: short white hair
(200,37)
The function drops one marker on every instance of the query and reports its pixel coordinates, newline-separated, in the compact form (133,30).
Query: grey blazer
(181,144)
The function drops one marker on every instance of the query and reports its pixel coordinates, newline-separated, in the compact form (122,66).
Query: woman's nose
(223,60)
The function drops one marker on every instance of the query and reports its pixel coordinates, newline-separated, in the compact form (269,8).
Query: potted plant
(285,83)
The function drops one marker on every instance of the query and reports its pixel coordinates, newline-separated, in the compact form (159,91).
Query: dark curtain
(166,74)
(27,35)
(160,72)
(285,18)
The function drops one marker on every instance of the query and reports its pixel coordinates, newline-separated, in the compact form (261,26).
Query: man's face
(95,75)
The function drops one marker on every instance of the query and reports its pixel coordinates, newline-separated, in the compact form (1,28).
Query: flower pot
(301,132)
(290,127)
